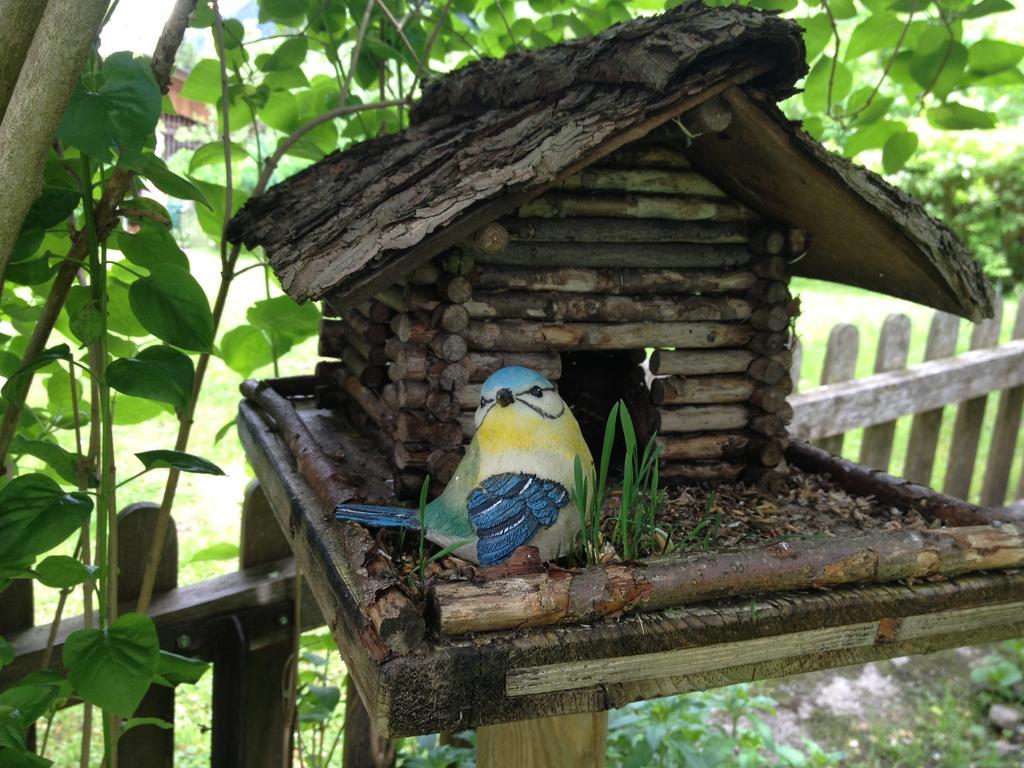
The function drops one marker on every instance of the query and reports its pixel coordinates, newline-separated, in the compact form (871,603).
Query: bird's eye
(483,401)
(537,392)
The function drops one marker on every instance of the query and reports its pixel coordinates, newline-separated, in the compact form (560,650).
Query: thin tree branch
(885,72)
(401,32)
(106,219)
(225,106)
(425,61)
(364,24)
(835,55)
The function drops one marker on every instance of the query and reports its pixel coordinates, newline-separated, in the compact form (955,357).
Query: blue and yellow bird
(512,487)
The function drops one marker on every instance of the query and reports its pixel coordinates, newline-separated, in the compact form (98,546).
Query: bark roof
(489,136)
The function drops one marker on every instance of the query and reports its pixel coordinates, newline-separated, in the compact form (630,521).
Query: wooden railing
(243,621)
(875,403)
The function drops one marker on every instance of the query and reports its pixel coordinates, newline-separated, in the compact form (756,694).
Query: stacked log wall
(635,253)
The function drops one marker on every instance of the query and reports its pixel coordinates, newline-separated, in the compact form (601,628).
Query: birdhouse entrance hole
(591,384)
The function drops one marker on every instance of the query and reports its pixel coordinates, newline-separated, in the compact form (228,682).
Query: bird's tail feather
(381,517)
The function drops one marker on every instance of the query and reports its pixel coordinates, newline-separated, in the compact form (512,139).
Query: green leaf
(318,703)
(213,154)
(817,33)
(35,516)
(156,373)
(51,208)
(33,272)
(113,668)
(6,653)
(21,759)
(281,111)
(872,136)
(953,116)
(20,706)
(878,32)
(816,86)
(286,79)
(168,182)
(234,33)
(135,722)
(224,430)
(123,113)
(61,571)
(282,317)
(46,357)
(203,83)
(843,9)
(130,410)
(986,7)
(990,56)
(61,461)
(288,55)
(151,246)
(245,349)
(212,221)
(898,149)
(172,669)
(224,550)
(941,68)
(873,112)
(287,12)
(171,305)
(179,460)
(120,315)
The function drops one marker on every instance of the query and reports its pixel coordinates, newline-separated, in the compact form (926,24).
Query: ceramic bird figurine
(513,485)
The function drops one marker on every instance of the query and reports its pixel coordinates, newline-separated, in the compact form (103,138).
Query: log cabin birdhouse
(574,208)
(623,214)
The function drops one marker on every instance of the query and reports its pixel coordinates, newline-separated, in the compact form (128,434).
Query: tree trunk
(49,74)
(21,19)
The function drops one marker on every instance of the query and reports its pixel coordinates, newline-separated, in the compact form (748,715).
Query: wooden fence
(964,382)
(244,621)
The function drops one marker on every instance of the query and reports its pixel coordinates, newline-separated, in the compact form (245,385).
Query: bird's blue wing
(508,509)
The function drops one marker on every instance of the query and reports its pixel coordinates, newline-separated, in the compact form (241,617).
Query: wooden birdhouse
(623,214)
(629,233)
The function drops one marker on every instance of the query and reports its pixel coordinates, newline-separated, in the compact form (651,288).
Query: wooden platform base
(450,684)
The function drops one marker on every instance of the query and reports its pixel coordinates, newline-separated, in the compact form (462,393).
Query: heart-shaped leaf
(154,169)
(35,516)
(179,460)
(61,571)
(113,668)
(61,461)
(172,669)
(47,356)
(171,305)
(156,373)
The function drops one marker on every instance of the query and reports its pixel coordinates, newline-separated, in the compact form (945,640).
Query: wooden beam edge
(339,607)
(688,661)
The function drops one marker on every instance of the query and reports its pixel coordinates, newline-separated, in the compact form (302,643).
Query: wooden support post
(1004,435)
(361,746)
(840,364)
(969,417)
(893,345)
(17,613)
(565,741)
(146,745)
(250,720)
(264,671)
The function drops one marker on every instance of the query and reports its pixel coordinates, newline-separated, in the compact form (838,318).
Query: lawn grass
(207,510)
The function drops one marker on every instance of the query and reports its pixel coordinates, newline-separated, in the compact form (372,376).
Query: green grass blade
(448,550)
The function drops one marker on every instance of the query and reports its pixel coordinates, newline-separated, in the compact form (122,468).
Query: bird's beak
(504,397)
